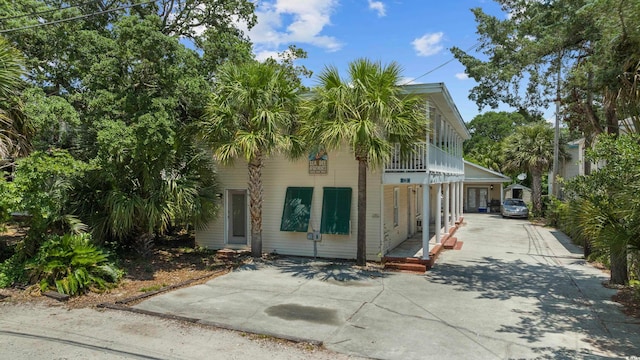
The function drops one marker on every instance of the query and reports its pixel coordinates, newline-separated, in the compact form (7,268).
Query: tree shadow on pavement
(558,305)
(325,270)
(567,243)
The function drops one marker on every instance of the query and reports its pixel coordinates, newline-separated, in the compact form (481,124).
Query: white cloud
(428,44)
(266,54)
(379,7)
(283,22)
(462,76)
(406,81)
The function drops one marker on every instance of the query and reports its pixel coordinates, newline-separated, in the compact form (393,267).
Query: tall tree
(119,88)
(610,209)
(14,130)
(251,115)
(588,43)
(487,132)
(368,113)
(530,149)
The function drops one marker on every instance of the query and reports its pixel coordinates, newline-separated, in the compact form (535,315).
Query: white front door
(237,217)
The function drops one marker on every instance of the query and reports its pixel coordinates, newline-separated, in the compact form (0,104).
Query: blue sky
(415,33)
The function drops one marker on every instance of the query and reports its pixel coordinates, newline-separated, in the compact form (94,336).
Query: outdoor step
(406,260)
(450,243)
(418,268)
(458,245)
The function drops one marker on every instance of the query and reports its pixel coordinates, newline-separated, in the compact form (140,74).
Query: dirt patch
(166,267)
(630,300)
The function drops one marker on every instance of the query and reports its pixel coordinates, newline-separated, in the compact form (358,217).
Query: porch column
(425,217)
(501,193)
(438,212)
(461,203)
(447,200)
(454,202)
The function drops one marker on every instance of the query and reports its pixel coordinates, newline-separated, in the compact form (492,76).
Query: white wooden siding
(280,173)
(394,235)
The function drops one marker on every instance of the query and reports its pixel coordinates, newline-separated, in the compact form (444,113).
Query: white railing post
(438,211)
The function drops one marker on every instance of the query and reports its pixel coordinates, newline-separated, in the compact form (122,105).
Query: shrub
(11,271)
(72,264)
(555,212)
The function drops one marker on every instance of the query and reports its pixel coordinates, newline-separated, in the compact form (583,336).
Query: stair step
(405,260)
(450,243)
(435,250)
(420,268)
(458,245)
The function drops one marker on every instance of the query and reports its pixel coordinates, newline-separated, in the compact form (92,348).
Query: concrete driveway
(514,290)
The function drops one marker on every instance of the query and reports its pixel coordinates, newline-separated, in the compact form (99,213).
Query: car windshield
(514,202)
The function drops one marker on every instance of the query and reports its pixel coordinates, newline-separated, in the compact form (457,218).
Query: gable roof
(476,173)
(517,186)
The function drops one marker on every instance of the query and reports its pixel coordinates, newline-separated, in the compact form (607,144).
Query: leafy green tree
(61,55)
(582,51)
(43,184)
(121,90)
(54,120)
(252,114)
(490,155)
(368,113)
(14,134)
(608,203)
(487,132)
(530,149)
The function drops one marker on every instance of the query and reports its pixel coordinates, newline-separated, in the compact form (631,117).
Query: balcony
(425,157)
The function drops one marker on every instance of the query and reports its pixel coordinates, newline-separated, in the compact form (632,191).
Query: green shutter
(297,209)
(336,211)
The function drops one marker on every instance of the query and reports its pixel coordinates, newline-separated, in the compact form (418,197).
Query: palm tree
(368,113)
(13,139)
(530,149)
(251,114)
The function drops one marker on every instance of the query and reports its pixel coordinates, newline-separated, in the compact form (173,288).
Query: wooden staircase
(412,264)
(418,265)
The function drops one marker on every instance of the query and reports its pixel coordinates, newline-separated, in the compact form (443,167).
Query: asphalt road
(40,331)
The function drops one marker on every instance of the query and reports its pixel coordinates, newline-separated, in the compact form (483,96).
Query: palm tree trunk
(536,180)
(255,204)
(619,266)
(361,255)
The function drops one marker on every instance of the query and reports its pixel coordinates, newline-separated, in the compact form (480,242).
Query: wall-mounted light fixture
(491,187)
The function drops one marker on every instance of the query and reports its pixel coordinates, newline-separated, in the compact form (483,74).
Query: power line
(45,11)
(75,17)
(440,66)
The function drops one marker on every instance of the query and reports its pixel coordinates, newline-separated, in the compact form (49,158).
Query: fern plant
(72,265)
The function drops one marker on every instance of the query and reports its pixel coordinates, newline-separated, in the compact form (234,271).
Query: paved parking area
(515,290)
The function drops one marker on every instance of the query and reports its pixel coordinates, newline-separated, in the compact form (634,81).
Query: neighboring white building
(320,194)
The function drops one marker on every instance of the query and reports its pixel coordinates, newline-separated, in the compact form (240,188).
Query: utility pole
(556,135)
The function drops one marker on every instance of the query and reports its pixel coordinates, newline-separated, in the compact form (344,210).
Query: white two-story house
(318,194)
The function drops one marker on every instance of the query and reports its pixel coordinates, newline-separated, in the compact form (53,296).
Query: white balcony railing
(425,157)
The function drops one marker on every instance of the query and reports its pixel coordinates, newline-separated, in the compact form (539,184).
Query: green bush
(555,212)
(72,264)
(11,271)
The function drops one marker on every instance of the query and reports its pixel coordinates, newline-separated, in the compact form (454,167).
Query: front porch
(425,159)
(409,255)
